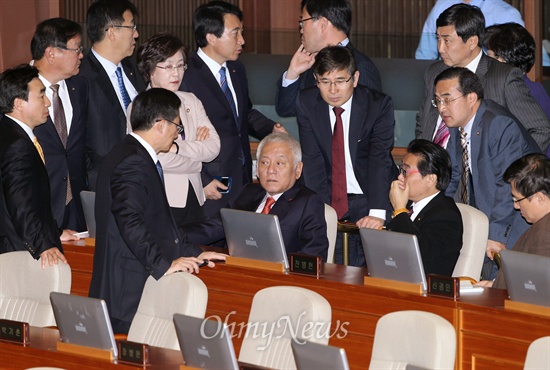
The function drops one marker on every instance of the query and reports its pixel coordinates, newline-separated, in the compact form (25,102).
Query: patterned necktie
(123,92)
(39,149)
(268,204)
(465,167)
(160,171)
(228,94)
(442,135)
(60,123)
(339,194)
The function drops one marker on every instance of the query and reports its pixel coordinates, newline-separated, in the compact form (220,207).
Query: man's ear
(211,39)
(298,170)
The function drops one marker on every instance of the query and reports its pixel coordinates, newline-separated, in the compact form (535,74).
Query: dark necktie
(268,204)
(465,168)
(161,173)
(228,94)
(339,194)
(60,123)
(442,135)
(123,92)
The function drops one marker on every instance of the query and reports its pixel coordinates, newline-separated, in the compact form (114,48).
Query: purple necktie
(442,135)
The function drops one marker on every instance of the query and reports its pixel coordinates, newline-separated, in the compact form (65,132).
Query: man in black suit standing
(136,234)
(26,220)
(301,212)
(460,30)
(422,209)
(113,80)
(56,49)
(322,23)
(216,77)
(346,132)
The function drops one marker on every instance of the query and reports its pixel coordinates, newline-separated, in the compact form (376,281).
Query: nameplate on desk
(303,264)
(393,285)
(14,331)
(133,353)
(255,264)
(443,286)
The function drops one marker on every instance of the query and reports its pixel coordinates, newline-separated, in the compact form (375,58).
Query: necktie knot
(55,88)
(268,204)
(338,111)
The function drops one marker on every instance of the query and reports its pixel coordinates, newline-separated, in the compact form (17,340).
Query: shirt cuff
(380,213)
(286,82)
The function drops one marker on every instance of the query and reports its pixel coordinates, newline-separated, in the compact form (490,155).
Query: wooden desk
(488,337)
(41,351)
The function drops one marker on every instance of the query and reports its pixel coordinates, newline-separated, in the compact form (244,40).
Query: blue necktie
(161,173)
(123,92)
(228,95)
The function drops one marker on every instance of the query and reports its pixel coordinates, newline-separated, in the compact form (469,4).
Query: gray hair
(279,137)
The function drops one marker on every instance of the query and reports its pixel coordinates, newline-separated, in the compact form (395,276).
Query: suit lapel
(104,83)
(282,206)
(324,129)
(475,136)
(434,202)
(356,122)
(239,92)
(482,67)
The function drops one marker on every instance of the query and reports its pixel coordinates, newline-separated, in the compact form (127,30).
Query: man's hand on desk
(69,235)
(371,222)
(192,264)
(51,256)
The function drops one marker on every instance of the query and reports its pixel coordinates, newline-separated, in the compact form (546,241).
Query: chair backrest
(416,338)
(153,323)
(474,242)
(331,219)
(87,198)
(25,288)
(538,354)
(277,315)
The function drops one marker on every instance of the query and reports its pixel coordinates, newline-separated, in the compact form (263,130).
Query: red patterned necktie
(442,135)
(339,193)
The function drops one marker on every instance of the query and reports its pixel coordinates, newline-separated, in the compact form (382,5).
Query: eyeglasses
(436,102)
(133,28)
(338,83)
(77,51)
(516,201)
(408,171)
(173,68)
(301,21)
(180,127)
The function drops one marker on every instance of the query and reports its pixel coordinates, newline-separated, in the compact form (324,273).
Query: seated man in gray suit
(460,31)
(301,212)
(484,140)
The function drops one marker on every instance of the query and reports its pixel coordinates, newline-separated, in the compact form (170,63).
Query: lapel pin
(188,110)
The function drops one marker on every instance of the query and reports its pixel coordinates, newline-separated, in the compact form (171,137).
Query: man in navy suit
(26,220)
(490,138)
(301,212)
(136,234)
(112,77)
(346,132)
(322,23)
(216,77)
(56,48)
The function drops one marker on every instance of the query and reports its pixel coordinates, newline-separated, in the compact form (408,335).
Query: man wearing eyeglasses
(422,209)
(346,132)
(484,139)
(56,49)
(322,23)
(112,77)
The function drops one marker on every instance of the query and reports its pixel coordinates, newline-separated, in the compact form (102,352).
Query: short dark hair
(208,18)
(433,159)
(152,105)
(334,58)
(105,13)
(338,12)
(468,82)
(14,84)
(157,49)
(530,174)
(513,43)
(55,32)
(467,19)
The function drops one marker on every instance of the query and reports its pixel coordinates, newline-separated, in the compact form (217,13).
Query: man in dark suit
(216,77)
(459,32)
(113,80)
(322,23)
(485,139)
(136,234)
(346,132)
(301,212)
(26,220)
(56,48)
(422,209)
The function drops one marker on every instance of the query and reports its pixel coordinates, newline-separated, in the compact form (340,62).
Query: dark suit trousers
(357,205)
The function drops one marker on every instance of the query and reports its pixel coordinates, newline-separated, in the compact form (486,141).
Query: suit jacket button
(176,241)
(65,179)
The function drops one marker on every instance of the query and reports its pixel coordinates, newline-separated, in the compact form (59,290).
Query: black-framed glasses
(77,51)
(516,201)
(133,28)
(180,127)
(173,68)
(338,83)
(301,21)
(407,171)
(436,102)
